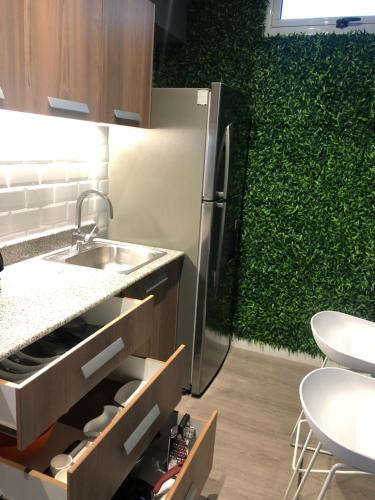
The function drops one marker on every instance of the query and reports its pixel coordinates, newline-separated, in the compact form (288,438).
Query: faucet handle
(90,236)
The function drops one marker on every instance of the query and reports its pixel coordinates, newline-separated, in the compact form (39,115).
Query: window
(312,16)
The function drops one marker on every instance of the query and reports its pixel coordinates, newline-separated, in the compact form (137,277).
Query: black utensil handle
(183,423)
(1,262)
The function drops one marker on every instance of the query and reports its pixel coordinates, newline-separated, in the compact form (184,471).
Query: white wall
(45,163)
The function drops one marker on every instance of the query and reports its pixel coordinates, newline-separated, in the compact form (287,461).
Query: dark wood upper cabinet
(128,57)
(12,55)
(89,59)
(63,41)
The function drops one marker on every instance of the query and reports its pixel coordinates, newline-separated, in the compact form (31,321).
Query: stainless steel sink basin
(117,257)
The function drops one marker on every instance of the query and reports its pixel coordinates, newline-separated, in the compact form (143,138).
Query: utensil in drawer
(181,440)
(171,473)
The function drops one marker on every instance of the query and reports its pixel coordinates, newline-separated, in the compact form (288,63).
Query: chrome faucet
(80,237)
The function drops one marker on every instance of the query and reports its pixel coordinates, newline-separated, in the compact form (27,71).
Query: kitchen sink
(108,255)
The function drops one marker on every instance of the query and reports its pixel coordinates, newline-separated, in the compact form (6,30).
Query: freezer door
(216,289)
(226,147)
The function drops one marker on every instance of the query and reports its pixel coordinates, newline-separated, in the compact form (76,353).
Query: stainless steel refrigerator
(179,185)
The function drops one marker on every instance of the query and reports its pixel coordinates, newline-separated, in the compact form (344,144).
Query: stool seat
(347,340)
(339,406)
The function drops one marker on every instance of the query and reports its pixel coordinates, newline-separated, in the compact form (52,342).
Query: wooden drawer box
(30,407)
(101,469)
(195,471)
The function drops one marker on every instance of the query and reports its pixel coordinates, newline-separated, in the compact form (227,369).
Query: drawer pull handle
(102,358)
(2,96)
(66,105)
(191,494)
(127,116)
(163,279)
(141,429)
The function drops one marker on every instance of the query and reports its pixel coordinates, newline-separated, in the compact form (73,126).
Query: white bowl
(127,392)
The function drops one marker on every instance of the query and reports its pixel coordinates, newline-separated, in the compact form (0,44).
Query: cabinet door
(128,53)
(63,68)
(12,55)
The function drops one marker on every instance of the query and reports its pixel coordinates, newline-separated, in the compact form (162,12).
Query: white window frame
(275,25)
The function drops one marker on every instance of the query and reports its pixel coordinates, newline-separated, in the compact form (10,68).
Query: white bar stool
(346,340)
(339,407)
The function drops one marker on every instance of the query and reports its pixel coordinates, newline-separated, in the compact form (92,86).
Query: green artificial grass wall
(309,227)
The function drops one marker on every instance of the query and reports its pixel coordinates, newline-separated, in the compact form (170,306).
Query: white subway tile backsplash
(22,174)
(102,219)
(45,163)
(54,172)
(66,192)
(11,199)
(5,224)
(3,176)
(76,171)
(71,212)
(53,214)
(22,220)
(104,186)
(84,186)
(104,153)
(39,196)
(98,171)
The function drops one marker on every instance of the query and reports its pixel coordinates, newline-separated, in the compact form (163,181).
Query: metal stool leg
(330,476)
(298,465)
(306,474)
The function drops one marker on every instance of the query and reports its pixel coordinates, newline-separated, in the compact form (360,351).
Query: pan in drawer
(29,407)
(108,460)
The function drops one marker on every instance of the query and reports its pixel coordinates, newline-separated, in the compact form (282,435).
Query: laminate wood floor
(258,403)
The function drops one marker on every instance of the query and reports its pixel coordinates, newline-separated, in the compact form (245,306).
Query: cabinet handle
(102,358)
(2,96)
(162,278)
(66,105)
(191,494)
(141,429)
(127,115)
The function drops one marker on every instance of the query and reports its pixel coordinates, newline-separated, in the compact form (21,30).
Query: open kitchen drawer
(195,471)
(29,407)
(105,463)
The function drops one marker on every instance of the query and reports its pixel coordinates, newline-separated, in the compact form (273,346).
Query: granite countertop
(38,296)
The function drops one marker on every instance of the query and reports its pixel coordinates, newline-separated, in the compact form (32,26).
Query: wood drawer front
(42,399)
(192,477)
(164,285)
(98,475)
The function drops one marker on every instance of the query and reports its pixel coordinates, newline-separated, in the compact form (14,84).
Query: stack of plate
(24,363)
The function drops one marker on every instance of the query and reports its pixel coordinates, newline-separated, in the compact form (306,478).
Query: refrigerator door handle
(223,207)
(225,148)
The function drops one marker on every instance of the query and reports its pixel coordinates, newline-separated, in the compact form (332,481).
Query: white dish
(60,462)
(95,426)
(127,392)
(62,476)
